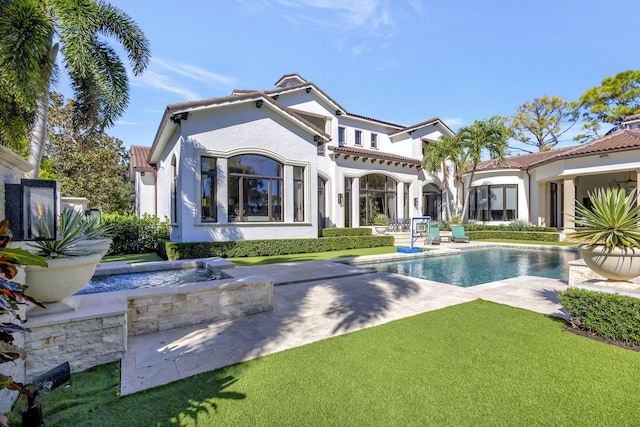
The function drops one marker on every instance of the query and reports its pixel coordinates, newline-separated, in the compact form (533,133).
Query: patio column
(355,202)
(543,204)
(569,205)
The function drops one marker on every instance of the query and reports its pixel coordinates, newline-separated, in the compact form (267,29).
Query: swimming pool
(478,266)
(125,281)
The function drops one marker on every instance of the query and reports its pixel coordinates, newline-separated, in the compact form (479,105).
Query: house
(542,188)
(281,163)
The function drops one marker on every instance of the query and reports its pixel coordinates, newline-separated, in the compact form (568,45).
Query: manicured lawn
(133,258)
(478,363)
(245,261)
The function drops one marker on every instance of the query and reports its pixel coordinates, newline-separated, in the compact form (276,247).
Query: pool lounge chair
(457,234)
(434,237)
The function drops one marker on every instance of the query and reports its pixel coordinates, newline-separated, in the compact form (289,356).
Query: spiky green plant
(612,219)
(72,228)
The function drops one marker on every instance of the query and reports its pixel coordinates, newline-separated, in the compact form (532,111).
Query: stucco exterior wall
(145,188)
(232,131)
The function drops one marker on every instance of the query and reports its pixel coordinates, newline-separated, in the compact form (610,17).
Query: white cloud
(196,73)
(187,81)
(165,83)
(127,123)
(454,122)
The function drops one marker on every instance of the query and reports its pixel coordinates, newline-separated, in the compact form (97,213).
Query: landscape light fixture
(340,198)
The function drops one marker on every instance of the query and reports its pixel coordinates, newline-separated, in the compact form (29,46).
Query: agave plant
(380,219)
(612,219)
(72,228)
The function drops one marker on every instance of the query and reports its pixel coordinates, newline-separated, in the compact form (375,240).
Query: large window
(298,193)
(377,195)
(493,203)
(374,140)
(208,206)
(255,188)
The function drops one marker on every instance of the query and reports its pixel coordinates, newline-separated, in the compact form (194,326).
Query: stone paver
(323,299)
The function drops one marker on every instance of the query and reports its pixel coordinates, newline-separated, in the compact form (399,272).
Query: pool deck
(321,299)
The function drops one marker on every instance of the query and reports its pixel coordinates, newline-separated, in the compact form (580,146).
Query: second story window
(374,140)
(341,136)
(358,137)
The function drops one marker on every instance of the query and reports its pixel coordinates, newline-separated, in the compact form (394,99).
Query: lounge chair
(434,236)
(457,234)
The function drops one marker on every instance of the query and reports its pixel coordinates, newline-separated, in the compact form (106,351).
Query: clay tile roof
(374,155)
(618,141)
(139,155)
(632,118)
(622,140)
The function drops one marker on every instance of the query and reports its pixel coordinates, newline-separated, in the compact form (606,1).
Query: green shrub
(611,316)
(337,232)
(513,235)
(252,248)
(132,234)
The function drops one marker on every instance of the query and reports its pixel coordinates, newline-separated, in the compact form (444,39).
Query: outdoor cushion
(457,234)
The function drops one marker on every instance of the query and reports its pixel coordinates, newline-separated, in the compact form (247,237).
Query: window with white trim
(374,140)
(208,205)
(358,139)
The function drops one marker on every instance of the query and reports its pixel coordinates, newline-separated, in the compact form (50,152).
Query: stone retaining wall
(162,309)
(89,330)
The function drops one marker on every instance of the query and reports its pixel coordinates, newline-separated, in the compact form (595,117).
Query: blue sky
(399,61)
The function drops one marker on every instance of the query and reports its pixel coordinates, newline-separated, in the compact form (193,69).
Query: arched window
(377,195)
(255,188)
(174,190)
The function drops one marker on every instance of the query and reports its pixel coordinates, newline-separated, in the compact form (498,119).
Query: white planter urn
(617,264)
(381,229)
(64,277)
(101,245)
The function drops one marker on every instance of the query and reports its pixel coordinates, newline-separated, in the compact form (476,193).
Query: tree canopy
(33,32)
(541,122)
(615,98)
(86,162)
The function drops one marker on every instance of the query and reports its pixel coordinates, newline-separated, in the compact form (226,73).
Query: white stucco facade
(549,184)
(336,169)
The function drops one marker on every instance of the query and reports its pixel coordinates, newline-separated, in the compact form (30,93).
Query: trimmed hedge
(338,232)
(511,227)
(251,248)
(513,235)
(132,234)
(611,316)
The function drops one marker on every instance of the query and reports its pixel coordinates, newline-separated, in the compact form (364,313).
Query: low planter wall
(159,309)
(89,330)
(85,330)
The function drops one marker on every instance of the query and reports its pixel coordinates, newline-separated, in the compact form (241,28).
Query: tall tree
(438,162)
(25,38)
(540,123)
(483,135)
(75,28)
(616,98)
(85,161)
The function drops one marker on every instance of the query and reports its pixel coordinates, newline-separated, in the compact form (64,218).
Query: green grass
(478,363)
(527,242)
(247,261)
(133,258)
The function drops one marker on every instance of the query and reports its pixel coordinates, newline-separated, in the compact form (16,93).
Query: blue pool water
(120,282)
(477,266)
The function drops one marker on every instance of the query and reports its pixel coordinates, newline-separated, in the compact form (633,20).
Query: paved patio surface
(321,299)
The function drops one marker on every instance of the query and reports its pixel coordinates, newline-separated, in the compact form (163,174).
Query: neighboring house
(542,188)
(281,163)
(143,177)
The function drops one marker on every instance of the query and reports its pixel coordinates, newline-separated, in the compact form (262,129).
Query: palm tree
(490,135)
(73,28)
(437,160)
